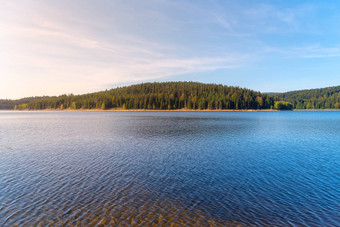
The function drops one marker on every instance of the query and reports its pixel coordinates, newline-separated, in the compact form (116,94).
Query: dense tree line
(9,104)
(161,96)
(324,98)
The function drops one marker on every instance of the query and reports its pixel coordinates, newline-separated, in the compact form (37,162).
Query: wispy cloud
(52,47)
(238,18)
(317,51)
(305,51)
(60,56)
(134,57)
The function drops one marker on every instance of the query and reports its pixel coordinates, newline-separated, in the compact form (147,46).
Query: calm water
(186,168)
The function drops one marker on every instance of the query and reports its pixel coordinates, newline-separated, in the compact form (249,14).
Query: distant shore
(149,110)
(178,110)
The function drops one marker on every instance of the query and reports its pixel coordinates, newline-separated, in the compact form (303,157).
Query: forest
(9,104)
(183,95)
(322,98)
(160,96)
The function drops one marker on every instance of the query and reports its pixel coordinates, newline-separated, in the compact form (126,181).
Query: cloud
(57,56)
(317,51)
(56,45)
(303,52)
(254,19)
(52,47)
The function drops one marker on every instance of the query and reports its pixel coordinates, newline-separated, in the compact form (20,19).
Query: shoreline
(175,110)
(144,110)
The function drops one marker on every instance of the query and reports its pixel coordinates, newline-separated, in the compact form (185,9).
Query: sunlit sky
(60,47)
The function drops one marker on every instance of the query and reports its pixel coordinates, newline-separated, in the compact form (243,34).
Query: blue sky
(55,47)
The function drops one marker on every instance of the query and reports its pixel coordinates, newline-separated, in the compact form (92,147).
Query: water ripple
(193,169)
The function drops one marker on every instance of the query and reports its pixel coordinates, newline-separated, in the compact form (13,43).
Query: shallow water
(186,168)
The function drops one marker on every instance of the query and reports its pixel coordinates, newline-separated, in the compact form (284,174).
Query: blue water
(186,168)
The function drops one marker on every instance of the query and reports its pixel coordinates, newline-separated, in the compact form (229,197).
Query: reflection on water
(163,168)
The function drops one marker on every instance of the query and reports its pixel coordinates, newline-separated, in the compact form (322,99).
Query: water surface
(186,168)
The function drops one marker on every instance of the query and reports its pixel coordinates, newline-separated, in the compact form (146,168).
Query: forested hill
(161,96)
(8,104)
(181,95)
(323,98)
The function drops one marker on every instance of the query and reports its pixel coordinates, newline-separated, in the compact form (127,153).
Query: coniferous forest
(322,98)
(160,96)
(9,104)
(183,95)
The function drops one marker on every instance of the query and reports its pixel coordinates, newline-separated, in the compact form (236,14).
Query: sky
(61,47)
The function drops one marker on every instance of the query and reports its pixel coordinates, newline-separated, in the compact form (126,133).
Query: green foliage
(22,106)
(73,105)
(324,98)
(181,95)
(282,105)
(8,104)
(160,96)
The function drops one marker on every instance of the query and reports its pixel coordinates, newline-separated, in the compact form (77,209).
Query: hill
(322,98)
(160,96)
(8,104)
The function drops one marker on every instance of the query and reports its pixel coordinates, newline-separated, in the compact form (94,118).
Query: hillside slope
(9,104)
(161,96)
(322,98)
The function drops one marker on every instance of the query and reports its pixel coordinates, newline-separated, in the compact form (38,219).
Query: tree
(312,99)
(259,101)
(73,105)
(281,105)
(167,95)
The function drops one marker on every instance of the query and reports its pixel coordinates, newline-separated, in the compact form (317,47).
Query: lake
(185,168)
